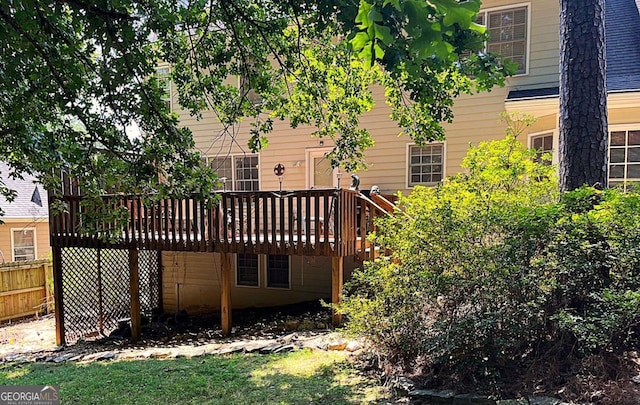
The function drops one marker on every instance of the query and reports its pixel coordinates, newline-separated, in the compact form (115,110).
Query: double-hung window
(237,172)
(23,244)
(425,164)
(508,33)
(247,270)
(278,271)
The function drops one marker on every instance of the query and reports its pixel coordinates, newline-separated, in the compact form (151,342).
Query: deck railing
(321,222)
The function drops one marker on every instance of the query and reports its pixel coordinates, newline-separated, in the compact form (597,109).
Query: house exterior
(261,246)
(527,32)
(24,235)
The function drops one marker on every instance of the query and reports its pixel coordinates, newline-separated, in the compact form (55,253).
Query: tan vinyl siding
(624,116)
(191,281)
(476,119)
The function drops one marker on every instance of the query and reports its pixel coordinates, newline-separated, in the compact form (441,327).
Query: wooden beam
(57,294)
(225,293)
(337,281)
(134,290)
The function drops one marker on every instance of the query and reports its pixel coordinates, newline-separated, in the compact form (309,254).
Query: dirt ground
(35,337)
(28,335)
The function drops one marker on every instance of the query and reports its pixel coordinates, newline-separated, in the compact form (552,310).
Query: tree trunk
(583,95)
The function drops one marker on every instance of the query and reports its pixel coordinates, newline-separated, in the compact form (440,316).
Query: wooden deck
(323,222)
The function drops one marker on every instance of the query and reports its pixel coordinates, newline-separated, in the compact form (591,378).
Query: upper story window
(624,157)
(425,164)
(237,172)
(508,32)
(542,144)
(164,83)
(23,244)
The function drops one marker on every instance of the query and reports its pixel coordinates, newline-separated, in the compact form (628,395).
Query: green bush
(493,271)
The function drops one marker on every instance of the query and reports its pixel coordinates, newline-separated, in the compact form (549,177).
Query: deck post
(57,294)
(337,281)
(225,293)
(134,290)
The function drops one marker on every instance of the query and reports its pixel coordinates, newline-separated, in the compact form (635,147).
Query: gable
(23,206)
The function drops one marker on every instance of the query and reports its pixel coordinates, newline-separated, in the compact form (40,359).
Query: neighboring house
(24,235)
(255,249)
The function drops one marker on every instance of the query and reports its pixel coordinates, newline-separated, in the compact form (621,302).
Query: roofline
(548,96)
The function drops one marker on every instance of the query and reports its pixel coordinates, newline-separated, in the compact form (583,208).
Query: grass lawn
(302,377)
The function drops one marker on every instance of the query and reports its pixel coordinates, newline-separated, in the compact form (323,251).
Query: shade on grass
(302,377)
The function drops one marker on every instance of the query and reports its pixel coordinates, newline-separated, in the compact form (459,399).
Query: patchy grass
(309,377)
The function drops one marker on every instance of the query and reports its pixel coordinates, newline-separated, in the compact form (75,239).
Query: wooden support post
(57,294)
(337,280)
(134,291)
(225,293)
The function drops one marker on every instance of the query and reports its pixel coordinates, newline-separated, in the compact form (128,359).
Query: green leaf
(363,15)
(360,40)
(384,34)
(394,3)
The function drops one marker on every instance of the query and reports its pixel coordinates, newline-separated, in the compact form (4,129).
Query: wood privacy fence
(25,289)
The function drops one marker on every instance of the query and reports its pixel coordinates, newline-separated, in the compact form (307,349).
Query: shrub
(493,271)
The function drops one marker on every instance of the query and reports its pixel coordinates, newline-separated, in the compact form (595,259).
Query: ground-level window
(247,270)
(624,157)
(278,271)
(425,164)
(23,244)
(542,144)
(236,172)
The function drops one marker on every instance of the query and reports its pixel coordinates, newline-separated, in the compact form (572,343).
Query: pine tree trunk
(583,94)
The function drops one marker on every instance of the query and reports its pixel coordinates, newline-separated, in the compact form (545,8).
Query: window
(239,173)
(247,270)
(164,84)
(247,173)
(278,271)
(23,244)
(624,157)
(542,144)
(507,30)
(425,164)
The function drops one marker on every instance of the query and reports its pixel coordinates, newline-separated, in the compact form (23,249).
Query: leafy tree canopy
(78,75)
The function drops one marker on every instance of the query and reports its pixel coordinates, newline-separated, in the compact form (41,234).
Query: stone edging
(331,341)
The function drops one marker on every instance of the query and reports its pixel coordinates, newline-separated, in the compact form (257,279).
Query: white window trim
(554,145)
(265,263)
(235,265)
(614,128)
(35,243)
(232,156)
(528,45)
(407,164)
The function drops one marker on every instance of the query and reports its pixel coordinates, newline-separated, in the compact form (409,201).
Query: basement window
(247,270)
(278,274)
